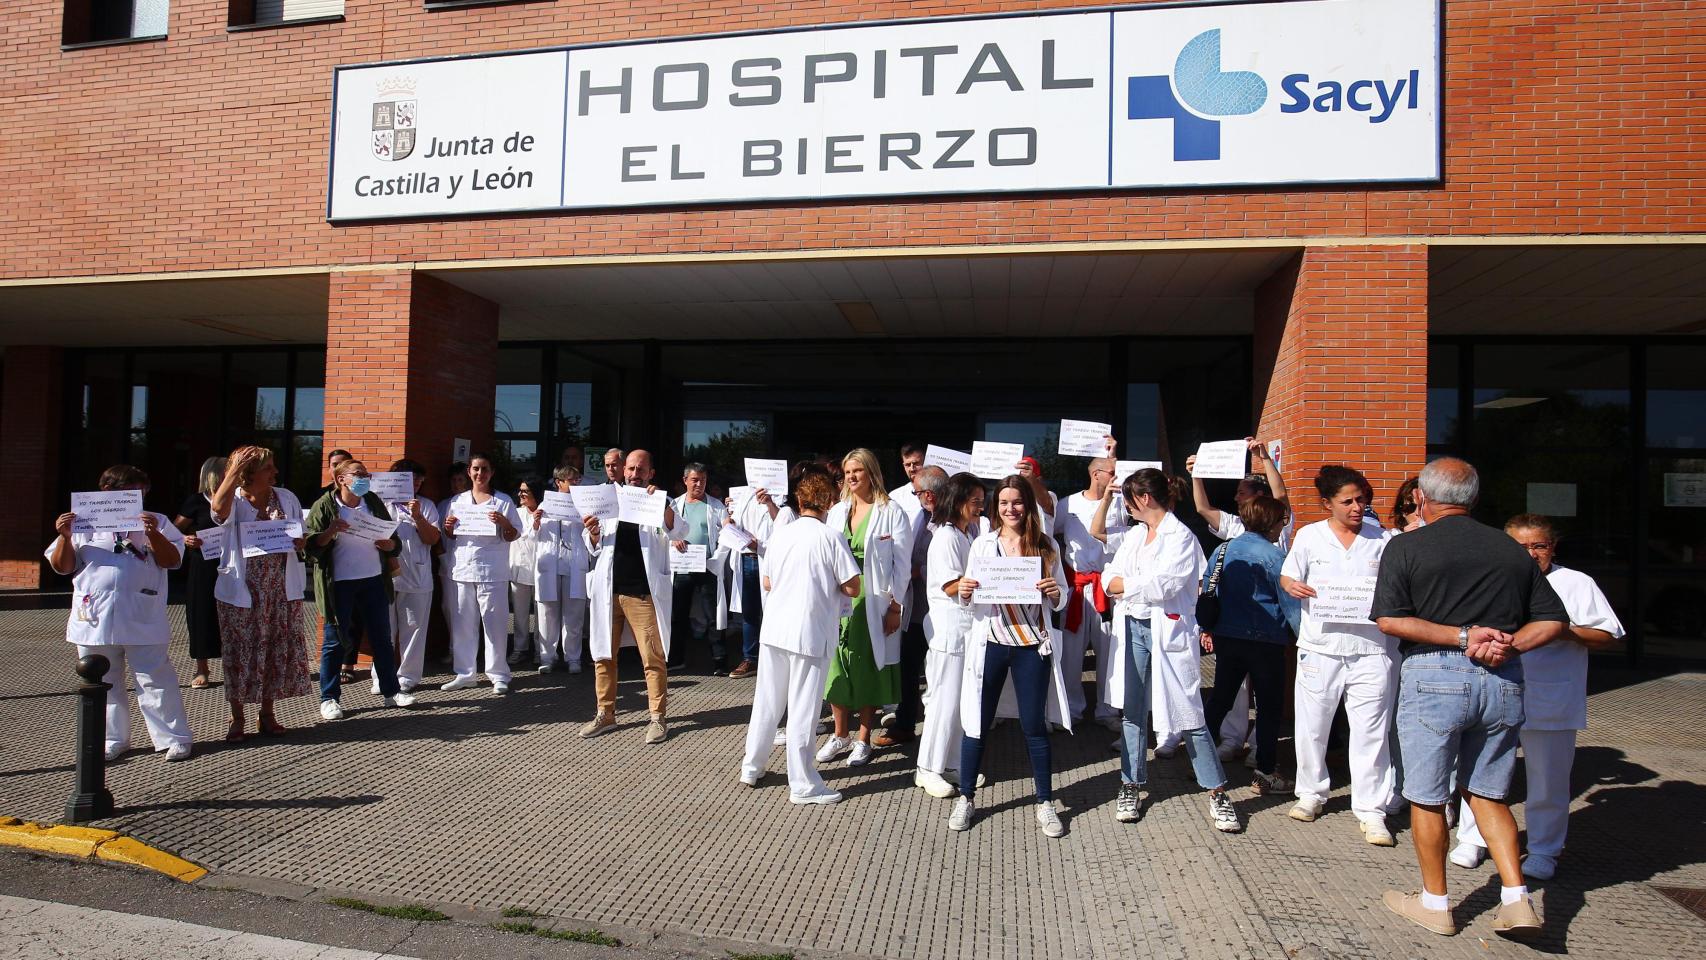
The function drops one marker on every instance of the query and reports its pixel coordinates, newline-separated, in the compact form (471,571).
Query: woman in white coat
(864,673)
(561,563)
(411,605)
(1155,577)
(479,574)
(118,610)
(807,573)
(1017,640)
(523,567)
(946,624)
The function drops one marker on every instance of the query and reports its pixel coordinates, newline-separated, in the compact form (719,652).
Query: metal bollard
(92,800)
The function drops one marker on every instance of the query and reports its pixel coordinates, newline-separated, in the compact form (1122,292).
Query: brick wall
(208,150)
(1342,367)
(30,415)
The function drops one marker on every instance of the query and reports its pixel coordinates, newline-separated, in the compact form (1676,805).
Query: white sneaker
(574,666)
(499,688)
(781,737)
(1535,866)
(400,699)
(404,686)
(1305,810)
(827,796)
(934,784)
(964,812)
(751,779)
(1375,832)
(461,683)
(547,668)
(116,750)
(374,686)
(1468,855)
(1222,814)
(177,751)
(834,747)
(329,710)
(861,754)
(1049,819)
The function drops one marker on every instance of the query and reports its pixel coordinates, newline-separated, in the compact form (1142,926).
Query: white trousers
(939,746)
(791,682)
(410,615)
(1092,634)
(157,693)
(1547,756)
(521,603)
(481,609)
(1368,684)
(562,623)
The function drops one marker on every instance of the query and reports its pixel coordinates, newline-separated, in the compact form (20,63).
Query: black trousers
(1265,664)
(913,650)
(686,587)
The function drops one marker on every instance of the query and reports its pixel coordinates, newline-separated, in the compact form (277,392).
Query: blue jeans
(364,600)
(1134,728)
(1030,686)
(751,607)
(1457,719)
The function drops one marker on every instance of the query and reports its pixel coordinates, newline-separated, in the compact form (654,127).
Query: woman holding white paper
(118,610)
(456,475)
(560,582)
(523,567)
(200,571)
(480,577)
(412,587)
(352,581)
(1016,639)
(954,526)
(1155,576)
(864,673)
(260,597)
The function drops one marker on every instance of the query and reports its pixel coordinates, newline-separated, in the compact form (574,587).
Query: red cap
(1036,467)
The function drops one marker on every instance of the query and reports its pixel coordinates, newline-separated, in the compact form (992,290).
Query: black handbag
(1208,602)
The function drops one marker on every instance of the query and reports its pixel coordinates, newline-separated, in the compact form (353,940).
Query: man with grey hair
(1466,602)
(928,486)
(699,610)
(1083,628)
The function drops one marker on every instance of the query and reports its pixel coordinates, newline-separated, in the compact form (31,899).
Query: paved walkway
(490,803)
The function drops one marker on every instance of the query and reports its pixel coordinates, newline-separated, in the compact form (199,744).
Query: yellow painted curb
(100,844)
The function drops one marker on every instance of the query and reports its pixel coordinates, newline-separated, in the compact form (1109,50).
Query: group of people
(1446,643)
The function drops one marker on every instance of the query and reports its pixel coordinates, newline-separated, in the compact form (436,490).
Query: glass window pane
(1675,624)
(722,445)
(139,408)
(301,465)
(310,413)
(1676,396)
(176,399)
(512,459)
(104,438)
(254,399)
(269,408)
(516,408)
(1556,396)
(574,414)
(1142,440)
(1444,393)
(1041,439)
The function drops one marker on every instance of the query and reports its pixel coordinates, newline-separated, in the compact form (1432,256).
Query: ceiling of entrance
(224,311)
(1169,292)
(1567,290)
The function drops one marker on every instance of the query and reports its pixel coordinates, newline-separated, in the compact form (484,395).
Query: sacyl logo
(1199,92)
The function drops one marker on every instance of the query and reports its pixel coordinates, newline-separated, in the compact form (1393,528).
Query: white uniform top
(755,519)
(1084,553)
(524,550)
(908,500)
(561,555)
(445,561)
(807,563)
(414,573)
(481,559)
(119,598)
(353,557)
(1316,557)
(948,620)
(1555,676)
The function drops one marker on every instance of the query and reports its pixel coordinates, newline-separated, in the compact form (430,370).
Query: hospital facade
(1372,230)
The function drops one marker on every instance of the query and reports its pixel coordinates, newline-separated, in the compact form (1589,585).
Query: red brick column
(30,415)
(411,365)
(1341,366)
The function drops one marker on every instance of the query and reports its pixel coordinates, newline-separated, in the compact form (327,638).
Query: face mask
(360,485)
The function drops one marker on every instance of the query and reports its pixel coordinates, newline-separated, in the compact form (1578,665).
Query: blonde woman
(862,672)
(200,572)
(260,598)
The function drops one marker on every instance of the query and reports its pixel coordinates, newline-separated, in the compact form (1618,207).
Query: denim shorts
(1456,717)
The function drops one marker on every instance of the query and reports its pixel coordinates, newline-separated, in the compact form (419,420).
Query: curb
(99,844)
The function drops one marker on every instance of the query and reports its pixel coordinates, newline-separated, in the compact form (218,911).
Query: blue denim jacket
(1252,605)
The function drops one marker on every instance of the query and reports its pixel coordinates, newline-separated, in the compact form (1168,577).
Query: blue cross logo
(1204,92)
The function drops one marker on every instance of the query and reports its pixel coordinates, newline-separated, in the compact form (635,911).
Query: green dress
(854,678)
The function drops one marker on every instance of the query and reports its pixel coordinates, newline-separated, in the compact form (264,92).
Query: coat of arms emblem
(395,115)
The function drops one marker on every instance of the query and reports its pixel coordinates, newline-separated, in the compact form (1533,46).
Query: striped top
(1019,625)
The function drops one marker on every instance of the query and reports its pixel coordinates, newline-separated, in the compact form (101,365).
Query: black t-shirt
(199,512)
(628,567)
(1458,572)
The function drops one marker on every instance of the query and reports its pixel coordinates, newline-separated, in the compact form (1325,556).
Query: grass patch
(514,913)
(401,913)
(576,936)
(761,956)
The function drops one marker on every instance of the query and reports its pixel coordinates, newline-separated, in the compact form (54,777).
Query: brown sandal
(270,726)
(235,734)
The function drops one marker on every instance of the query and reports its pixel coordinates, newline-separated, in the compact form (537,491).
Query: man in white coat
(928,483)
(1082,627)
(700,609)
(630,589)
(1554,703)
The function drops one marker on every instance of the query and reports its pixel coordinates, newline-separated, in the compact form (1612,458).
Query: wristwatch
(1463,638)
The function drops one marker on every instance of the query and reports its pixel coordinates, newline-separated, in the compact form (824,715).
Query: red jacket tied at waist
(1075,605)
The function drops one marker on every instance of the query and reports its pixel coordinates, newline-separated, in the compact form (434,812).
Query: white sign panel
(1342,601)
(366,526)
(394,487)
(1084,438)
(642,508)
(107,511)
(1006,580)
(733,538)
(1290,92)
(769,475)
(995,461)
(689,559)
(1221,460)
(560,506)
(598,501)
(950,460)
(261,537)
(1685,489)
(212,542)
(475,519)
